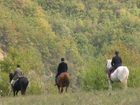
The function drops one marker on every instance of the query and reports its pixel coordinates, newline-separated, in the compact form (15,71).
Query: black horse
(20,85)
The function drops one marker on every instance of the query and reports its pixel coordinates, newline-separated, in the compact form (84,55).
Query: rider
(116,61)
(17,74)
(62,67)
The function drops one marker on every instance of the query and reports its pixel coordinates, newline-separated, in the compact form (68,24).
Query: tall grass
(118,97)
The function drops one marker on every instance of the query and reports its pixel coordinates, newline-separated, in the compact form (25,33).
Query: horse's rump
(120,73)
(24,81)
(63,79)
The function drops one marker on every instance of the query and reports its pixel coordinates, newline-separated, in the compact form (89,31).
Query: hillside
(37,33)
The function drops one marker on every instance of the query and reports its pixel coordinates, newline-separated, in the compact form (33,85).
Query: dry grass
(117,97)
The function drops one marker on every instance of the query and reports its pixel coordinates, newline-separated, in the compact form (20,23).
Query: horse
(63,80)
(119,75)
(20,85)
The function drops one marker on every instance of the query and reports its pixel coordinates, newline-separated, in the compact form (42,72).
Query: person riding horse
(115,63)
(62,67)
(17,74)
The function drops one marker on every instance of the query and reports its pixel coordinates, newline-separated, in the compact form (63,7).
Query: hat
(116,52)
(18,65)
(62,59)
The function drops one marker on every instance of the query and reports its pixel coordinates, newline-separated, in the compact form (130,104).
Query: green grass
(117,97)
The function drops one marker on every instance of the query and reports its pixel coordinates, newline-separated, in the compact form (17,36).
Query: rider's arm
(58,69)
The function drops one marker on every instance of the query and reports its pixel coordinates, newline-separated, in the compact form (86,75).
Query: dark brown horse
(63,80)
(20,85)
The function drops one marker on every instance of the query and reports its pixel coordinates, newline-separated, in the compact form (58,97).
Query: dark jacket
(116,61)
(62,67)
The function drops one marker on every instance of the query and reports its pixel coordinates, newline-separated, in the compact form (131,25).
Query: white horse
(119,75)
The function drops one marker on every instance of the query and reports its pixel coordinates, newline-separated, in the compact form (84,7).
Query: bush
(94,76)
(4,84)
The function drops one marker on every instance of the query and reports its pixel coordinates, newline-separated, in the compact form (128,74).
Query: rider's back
(116,61)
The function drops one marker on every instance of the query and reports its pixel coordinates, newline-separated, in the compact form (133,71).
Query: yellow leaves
(40,12)
(4,13)
(41,19)
(67,47)
(123,12)
(2,55)
(43,23)
(134,19)
(80,6)
(45,26)
(22,3)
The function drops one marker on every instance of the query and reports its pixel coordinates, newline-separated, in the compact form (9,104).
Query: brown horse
(63,80)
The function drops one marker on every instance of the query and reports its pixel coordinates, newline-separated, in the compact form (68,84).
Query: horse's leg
(66,89)
(61,89)
(109,83)
(14,92)
(125,83)
(67,86)
(23,91)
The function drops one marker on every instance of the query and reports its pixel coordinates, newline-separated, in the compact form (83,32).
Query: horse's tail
(24,84)
(67,78)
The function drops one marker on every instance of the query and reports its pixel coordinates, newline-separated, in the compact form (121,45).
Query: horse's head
(11,75)
(108,64)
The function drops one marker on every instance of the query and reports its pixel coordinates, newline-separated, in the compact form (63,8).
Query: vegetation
(37,33)
(118,97)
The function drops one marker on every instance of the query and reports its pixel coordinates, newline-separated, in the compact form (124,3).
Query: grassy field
(117,97)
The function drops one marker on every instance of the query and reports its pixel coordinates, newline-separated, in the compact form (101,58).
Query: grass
(117,97)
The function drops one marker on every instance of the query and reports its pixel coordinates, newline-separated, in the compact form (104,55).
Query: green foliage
(4,84)
(94,76)
(134,77)
(37,33)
